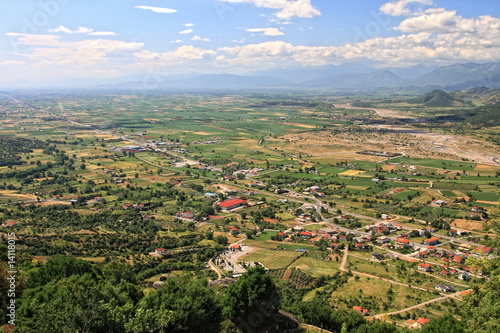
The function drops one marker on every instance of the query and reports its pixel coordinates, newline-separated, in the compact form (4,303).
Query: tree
(446,324)
(252,300)
(178,306)
(482,306)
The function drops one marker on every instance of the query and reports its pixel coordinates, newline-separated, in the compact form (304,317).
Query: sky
(49,40)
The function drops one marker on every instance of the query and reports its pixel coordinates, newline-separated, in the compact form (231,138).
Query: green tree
(252,300)
(482,306)
(446,324)
(178,306)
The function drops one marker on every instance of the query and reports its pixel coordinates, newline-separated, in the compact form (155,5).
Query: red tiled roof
(232,202)
(422,321)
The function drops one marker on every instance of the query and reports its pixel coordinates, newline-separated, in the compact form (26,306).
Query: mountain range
(346,77)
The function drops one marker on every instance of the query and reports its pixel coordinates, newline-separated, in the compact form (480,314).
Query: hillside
(437,98)
(487,116)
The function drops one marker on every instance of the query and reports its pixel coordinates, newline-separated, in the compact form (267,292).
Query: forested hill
(438,98)
(487,116)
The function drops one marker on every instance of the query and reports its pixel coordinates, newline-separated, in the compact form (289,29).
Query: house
(431,229)
(335,246)
(343,238)
(376,256)
(359,309)
(421,254)
(327,231)
(188,215)
(463,276)
(483,250)
(210,195)
(402,242)
(281,235)
(312,240)
(445,288)
(439,203)
(422,321)
(475,209)
(431,249)
(235,247)
(98,199)
(452,232)
(432,241)
(458,260)
(10,224)
(127,205)
(359,246)
(161,251)
(232,204)
(385,217)
(424,267)
(306,234)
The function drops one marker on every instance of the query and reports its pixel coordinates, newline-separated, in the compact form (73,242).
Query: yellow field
(351,173)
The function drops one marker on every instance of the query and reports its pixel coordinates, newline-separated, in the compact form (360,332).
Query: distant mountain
(462,76)
(436,98)
(484,94)
(356,81)
(412,80)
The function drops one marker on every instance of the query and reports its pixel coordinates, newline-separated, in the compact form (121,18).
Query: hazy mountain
(339,77)
(357,81)
(462,76)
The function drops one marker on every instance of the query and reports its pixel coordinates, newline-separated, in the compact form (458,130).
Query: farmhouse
(306,234)
(359,309)
(432,241)
(438,202)
(402,242)
(161,251)
(235,247)
(232,204)
(444,288)
(483,250)
(424,267)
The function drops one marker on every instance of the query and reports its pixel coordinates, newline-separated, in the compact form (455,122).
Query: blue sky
(63,39)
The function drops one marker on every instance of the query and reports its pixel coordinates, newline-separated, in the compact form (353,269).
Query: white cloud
(177,41)
(286,8)
(448,22)
(187,31)
(267,31)
(11,63)
(198,38)
(160,10)
(103,33)
(400,7)
(189,24)
(80,30)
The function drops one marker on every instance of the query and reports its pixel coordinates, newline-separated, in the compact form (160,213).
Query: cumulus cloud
(80,30)
(187,31)
(400,7)
(198,38)
(267,31)
(286,8)
(160,10)
(448,22)
(189,24)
